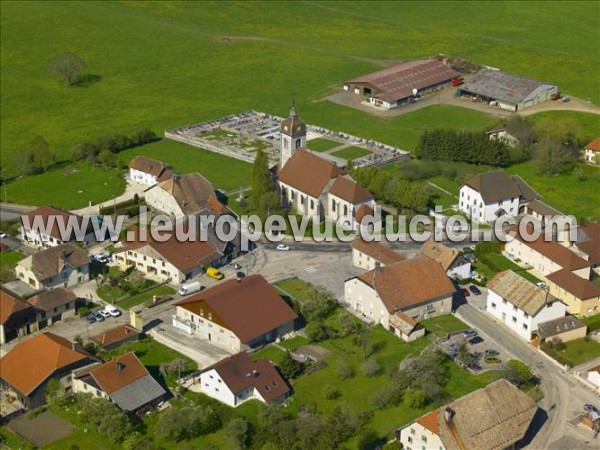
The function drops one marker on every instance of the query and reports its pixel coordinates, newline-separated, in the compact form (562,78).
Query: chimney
(255,373)
(120,366)
(448,414)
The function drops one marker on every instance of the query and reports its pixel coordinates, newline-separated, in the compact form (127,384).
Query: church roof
(308,172)
(293,125)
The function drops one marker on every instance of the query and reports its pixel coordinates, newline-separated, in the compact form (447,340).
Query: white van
(189,288)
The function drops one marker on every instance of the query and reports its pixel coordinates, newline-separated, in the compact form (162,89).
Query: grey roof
(502,86)
(137,394)
(542,208)
(558,326)
(498,185)
(520,292)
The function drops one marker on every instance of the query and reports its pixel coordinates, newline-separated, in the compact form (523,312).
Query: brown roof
(398,82)
(491,418)
(308,172)
(53,298)
(440,253)
(362,211)
(580,287)
(114,335)
(542,208)
(520,292)
(49,262)
(558,326)
(555,252)
(591,245)
(595,369)
(349,190)
(594,145)
(150,166)
(46,212)
(498,185)
(430,421)
(377,250)
(408,283)
(191,192)
(119,372)
(239,373)
(9,305)
(249,307)
(183,254)
(32,361)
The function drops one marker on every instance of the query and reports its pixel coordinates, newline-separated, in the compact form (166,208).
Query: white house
(237,378)
(487,196)
(65,265)
(316,187)
(593,376)
(501,133)
(520,304)
(399,295)
(236,314)
(494,417)
(148,171)
(452,261)
(44,227)
(591,151)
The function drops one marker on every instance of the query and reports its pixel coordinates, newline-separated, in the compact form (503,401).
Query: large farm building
(512,92)
(396,85)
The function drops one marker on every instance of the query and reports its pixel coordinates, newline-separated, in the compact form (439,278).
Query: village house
(369,255)
(64,265)
(17,318)
(401,294)
(452,261)
(501,133)
(148,171)
(494,417)
(26,369)
(43,230)
(542,211)
(53,306)
(117,336)
(521,305)
(313,186)
(124,381)
(593,377)
(175,260)
(236,314)
(590,154)
(237,378)
(487,196)
(565,329)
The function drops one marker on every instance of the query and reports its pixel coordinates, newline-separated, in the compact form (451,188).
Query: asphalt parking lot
(477,346)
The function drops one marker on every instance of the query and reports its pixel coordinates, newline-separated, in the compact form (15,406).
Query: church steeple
(293,135)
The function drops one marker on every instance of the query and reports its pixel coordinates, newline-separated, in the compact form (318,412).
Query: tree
(464,357)
(523,131)
(371,368)
(67,67)
(107,158)
(518,373)
(345,370)
(553,157)
(53,390)
(310,429)
(237,432)
(320,303)
(415,398)
(105,416)
(85,151)
(262,185)
(289,367)
(316,331)
(137,441)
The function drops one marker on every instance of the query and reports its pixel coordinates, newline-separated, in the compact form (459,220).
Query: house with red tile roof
(401,294)
(591,151)
(17,318)
(26,369)
(368,255)
(237,378)
(236,314)
(44,227)
(314,186)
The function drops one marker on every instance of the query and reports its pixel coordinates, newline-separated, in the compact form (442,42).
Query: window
(514,308)
(298,143)
(504,302)
(526,315)
(333,205)
(424,438)
(412,431)
(525,327)
(410,439)
(514,319)
(302,199)
(312,204)
(493,305)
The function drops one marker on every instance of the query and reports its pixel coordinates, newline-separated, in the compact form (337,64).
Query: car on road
(467,250)
(90,318)
(541,284)
(99,316)
(490,352)
(591,409)
(112,311)
(465,292)
(234,266)
(2,234)
(283,247)
(469,334)
(476,340)
(475,290)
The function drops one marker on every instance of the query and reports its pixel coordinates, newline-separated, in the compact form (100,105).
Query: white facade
(161,200)
(153,265)
(37,238)
(213,385)
(593,376)
(590,156)
(67,276)
(474,207)
(142,177)
(518,320)
(416,437)
(204,328)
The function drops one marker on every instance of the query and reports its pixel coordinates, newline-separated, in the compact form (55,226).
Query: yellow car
(214,273)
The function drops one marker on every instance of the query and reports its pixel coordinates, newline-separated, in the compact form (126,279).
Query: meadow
(161,65)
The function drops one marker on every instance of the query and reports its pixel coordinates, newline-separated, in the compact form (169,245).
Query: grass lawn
(576,352)
(442,325)
(352,153)
(145,296)
(501,263)
(593,322)
(70,186)
(322,144)
(224,172)
(11,257)
(295,287)
(12,440)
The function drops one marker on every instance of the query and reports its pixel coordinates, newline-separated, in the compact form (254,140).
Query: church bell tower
(293,135)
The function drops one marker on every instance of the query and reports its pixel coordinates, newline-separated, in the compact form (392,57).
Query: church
(314,186)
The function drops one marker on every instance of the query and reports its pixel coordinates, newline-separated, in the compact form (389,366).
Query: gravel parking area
(477,346)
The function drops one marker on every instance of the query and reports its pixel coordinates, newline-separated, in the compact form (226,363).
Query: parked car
(541,284)
(452,351)
(234,266)
(213,272)
(470,334)
(474,289)
(2,234)
(591,409)
(190,288)
(467,250)
(99,316)
(465,292)
(90,318)
(470,257)
(476,340)
(240,274)
(104,313)
(491,352)
(114,312)
(283,247)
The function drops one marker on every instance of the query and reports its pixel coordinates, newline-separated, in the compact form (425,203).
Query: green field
(351,153)
(322,144)
(442,325)
(137,85)
(576,352)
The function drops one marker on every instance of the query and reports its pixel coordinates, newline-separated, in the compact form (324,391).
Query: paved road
(558,386)
(11,212)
